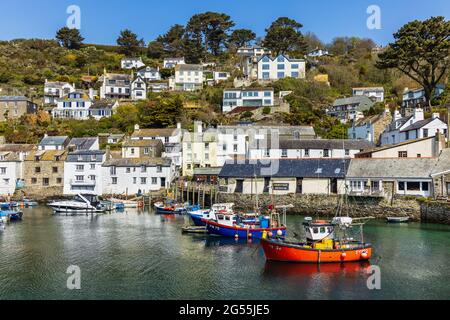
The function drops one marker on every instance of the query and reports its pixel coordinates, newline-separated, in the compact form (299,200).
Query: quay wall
(435,212)
(325,205)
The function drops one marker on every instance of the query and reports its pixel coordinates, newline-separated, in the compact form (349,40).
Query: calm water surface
(136,255)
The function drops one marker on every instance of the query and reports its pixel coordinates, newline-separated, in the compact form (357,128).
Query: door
(163,182)
(266,185)
(239,186)
(448,189)
(334,188)
(299,186)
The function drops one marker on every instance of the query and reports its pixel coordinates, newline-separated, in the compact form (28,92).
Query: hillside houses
(131,63)
(13,107)
(188,77)
(275,68)
(54,90)
(370,128)
(374,93)
(350,109)
(247,98)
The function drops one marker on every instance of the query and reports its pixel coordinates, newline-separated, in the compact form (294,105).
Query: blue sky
(102,20)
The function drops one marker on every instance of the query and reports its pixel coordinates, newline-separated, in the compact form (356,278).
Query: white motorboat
(81,203)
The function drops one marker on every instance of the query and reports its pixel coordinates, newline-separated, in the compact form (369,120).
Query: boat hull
(75,210)
(198,220)
(276,250)
(218,229)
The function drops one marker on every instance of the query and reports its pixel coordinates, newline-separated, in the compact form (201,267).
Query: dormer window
(37,158)
(57,158)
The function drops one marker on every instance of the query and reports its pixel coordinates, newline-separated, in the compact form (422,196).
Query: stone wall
(435,212)
(324,205)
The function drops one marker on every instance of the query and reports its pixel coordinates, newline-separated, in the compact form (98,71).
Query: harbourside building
(12,157)
(199,149)
(391,177)
(234,140)
(44,172)
(313,149)
(13,107)
(83,172)
(441,176)
(280,177)
(142,148)
(128,176)
(53,143)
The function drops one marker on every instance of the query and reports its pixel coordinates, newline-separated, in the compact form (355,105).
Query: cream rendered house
(199,149)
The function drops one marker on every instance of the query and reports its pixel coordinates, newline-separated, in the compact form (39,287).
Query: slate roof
(54,141)
(364,103)
(85,156)
(9,156)
(83,143)
(304,168)
(117,76)
(390,146)
(142,143)
(47,155)
(391,168)
(56,84)
(163,132)
(17,147)
(189,67)
(418,124)
(137,162)
(282,130)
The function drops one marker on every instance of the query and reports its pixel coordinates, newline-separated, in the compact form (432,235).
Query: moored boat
(80,204)
(246,226)
(397,219)
(169,208)
(200,216)
(326,242)
(14,215)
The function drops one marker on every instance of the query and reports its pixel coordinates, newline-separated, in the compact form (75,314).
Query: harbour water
(140,255)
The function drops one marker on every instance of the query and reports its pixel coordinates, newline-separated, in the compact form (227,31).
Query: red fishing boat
(326,241)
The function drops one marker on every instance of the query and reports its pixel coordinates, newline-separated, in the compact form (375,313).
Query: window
(375,185)
(413,186)
(280,59)
(134,180)
(143,180)
(294,74)
(425,133)
(114,180)
(403,154)
(92,177)
(306,152)
(425,186)
(224,147)
(266,66)
(45,181)
(326,153)
(267,153)
(37,170)
(284,153)
(347,152)
(55,169)
(266,75)
(419,155)
(112,171)
(154,180)
(407,135)
(267,93)
(128,170)
(280,67)
(235,148)
(132,151)
(58,180)
(33,180)
(143,169)
(6,181)
(2,170)
(146,150)
(80,168)
(267,102)
(294,66)
(79,178)
(92,166)
(401,186)
(158,169)
(280,75)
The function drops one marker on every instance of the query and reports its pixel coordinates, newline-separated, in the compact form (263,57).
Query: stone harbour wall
(435,212)
(324,205)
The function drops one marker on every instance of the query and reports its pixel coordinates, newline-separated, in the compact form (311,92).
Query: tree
(422,51)
(170,44)
(130,44)
(312,41)
(69,38)
(209,30)
(242,37)
(284,36)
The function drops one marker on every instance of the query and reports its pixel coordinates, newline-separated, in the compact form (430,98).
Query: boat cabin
(318,230)
(89,198)
(222,208)
(227,219)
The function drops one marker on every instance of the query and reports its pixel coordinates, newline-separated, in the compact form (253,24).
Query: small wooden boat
(194,229)
(397,219)
(14,215)
(322,245)
(170,208)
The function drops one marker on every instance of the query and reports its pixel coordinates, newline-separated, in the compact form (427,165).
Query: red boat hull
(285,252)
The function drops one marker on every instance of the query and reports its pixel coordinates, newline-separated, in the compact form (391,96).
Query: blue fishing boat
(246,227)
(11,215)
(200,216)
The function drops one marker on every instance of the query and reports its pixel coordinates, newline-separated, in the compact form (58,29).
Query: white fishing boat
(126,203)
(80,204)
(397,219)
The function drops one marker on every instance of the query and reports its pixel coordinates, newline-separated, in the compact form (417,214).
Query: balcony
(83,183)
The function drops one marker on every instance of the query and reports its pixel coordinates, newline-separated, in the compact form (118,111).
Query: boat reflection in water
(285,269)
(215,241)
